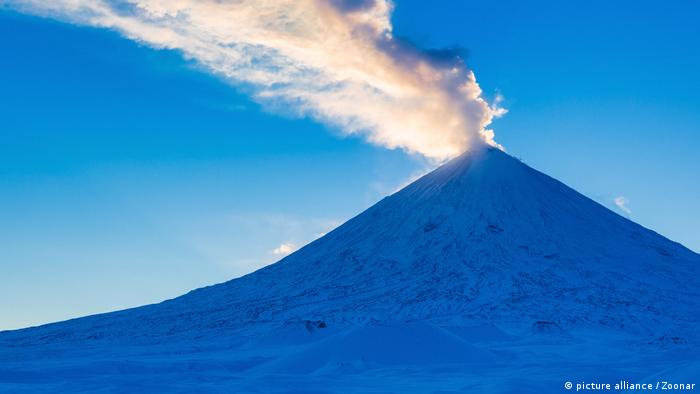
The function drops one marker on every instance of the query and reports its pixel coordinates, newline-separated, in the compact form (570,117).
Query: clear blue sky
(129,175)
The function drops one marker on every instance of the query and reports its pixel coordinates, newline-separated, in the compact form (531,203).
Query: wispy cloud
(383,188)
(621,202)
(242,242)
(334,60)
(284,249)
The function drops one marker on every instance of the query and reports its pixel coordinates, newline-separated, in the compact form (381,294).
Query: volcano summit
(483,275)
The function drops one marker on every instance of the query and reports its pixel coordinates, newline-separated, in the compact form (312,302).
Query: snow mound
(375,346)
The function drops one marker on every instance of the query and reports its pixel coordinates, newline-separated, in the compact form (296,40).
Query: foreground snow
(484,275)
(397,358)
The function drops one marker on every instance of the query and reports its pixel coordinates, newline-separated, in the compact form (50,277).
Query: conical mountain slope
(483,239)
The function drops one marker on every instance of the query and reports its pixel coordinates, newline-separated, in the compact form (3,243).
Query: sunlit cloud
(621,202)
(336,61)
(284,249)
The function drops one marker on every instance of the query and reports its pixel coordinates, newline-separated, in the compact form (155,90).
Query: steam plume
(334,60)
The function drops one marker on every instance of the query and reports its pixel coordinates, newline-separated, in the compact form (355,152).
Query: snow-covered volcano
(483,241)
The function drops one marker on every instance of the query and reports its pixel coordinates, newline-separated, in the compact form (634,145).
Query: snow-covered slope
(483,241)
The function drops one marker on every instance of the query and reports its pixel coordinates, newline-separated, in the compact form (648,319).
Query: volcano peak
(482,241)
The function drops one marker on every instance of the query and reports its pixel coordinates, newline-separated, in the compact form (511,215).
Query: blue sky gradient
(129,175)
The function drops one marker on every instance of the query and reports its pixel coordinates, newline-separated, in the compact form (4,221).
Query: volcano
(482,275)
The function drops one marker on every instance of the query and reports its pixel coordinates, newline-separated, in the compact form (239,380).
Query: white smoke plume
(334,60)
